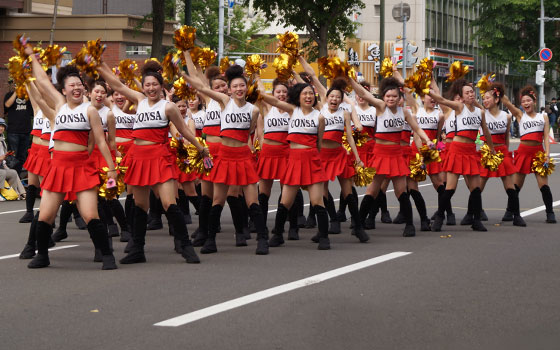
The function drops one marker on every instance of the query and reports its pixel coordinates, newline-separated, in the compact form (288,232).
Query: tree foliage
(328,22)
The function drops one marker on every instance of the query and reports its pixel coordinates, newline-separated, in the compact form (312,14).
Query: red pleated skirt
(304,167)
(335,163)
(38,160)
(184,177)
(366,152)
(462,158)
(149,165)
(234,166)
(214,148)
(272,161)
(407,153)
(389,160)
(523,157)
(124,149)
(70,172)
(433,167)
(506,168)
(98,160)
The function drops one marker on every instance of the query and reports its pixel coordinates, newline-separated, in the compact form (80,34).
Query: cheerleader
(304,166)
(534,129)
(151,161)
(462,157)
(336,161)
(71,171)
(234,164)
(387,157)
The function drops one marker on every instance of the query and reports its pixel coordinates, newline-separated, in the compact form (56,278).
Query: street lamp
(401,13)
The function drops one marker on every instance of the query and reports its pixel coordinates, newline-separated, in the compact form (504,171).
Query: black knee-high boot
(299,208)
(263,202)
(65,214)
(476,195)
(256,214)
(43,233)
(128,211)
(323,225)
(154,222)
(513,204)
(442,206)
(183,204)
(405,207)
(469,216)
(195,201)
(449,211)
(100,238)
(367,204)
(177,220)
(277,238)
(422,212)
(382,205)
(508,215)
(358,229)
(203,213)
(341,213)
(78,220)
(213,224)
(311,221)
(28,251)
(293,232)
(136,252)
(119,214)
(235,206)
(30,196)
(248,225)
(331,209)
(547,199)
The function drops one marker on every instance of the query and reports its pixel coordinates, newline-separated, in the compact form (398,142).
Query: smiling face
(220,86)
(73,90)
(280,92)
(193,104)
(119,99)
(307,97)
(238,88)
(488,100)
(334,99)
(392,98)
(152,88)
(528,104)
(182,105)
(98,95)
(429,102)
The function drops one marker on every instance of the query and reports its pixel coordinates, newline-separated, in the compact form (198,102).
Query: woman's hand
(359,163)
(112,174)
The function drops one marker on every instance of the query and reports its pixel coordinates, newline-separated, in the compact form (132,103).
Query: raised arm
(320,88)
(47,110)
(194,70)
(263,105)
(285,106)
(455,105)
(43,82)
(366,95)
(115,84)
(199,85)
(516,112)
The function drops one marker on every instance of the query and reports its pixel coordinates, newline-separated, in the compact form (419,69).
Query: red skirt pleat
(214,148)
(98,160)
(304,167)
(389,160)
(407,153)
(184,177)
(38,160)
(70,172)
(366,152)
(523,157)
(506,168)
(335,163)
(149,165)
(462,158)
(272,161)
(234,166)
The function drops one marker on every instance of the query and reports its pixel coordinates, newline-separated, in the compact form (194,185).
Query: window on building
(138,50)
(376,10)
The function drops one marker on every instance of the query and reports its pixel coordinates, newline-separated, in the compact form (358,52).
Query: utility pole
(541,64)
(188,12)
(53,24)
(382,30)
(405,18)
(221,30)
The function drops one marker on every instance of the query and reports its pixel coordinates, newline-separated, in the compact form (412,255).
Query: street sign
(231,3)
(230,12)
(545,54)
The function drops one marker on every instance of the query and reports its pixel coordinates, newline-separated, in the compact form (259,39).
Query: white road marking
(50,250)
(537,209)
(22,210)
(267,293)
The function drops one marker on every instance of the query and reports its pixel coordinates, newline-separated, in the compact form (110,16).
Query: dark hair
(529,91)
(389,84)
(101,83)
(66,72)
(175,98)
(152,69)
(234,72)
(457,87)
(49,71)
(498,90)
(305,77)
(213,73)
(365,84)
(277,82)
(337,85)
(295,91)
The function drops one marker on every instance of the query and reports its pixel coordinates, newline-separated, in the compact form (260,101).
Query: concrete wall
(130,7)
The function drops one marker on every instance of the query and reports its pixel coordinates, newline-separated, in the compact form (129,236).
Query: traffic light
(410,50)
(539,77)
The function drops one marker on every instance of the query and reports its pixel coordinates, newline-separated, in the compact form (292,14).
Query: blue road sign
(545,54)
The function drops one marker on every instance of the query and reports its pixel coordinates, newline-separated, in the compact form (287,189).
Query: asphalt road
(457,289)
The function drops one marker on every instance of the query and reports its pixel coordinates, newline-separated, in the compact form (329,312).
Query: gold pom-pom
(333,67)
(89,57)
(128,71)
(484,83)
(52,55)
(184,38)
(420,81)
(289,44)
(110,193)
(225,63)
(386,70)
(489,160)
(456,71)
(184,90)
(429,154)
(203,57)
(253,95)
(19,44)
(151,59)
(254,64)
(364,176)
(284,65)
(540,166)
(170,67)
(196,161)
(360,139)
(95,49)
(417,168)
(20,71)
(257,145)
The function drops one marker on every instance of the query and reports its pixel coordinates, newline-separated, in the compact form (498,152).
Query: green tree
(327,21)
(242,35)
